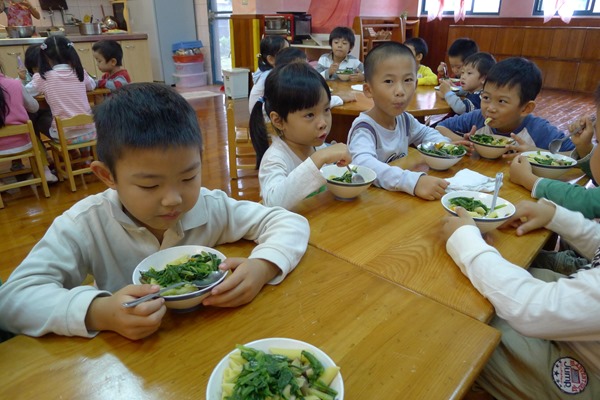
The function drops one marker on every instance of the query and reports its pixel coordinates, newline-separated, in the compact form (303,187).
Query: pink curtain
(435,9)
(326,15)
(565,9)
(459,10)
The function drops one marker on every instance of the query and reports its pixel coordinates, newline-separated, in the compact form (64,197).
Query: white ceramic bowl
(343,77)
(159,260)
(489,151)
(347,191)
(439,163)
(214,390)
(549,171)
(484,224)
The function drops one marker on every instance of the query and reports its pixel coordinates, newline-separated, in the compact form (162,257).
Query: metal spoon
(556,144)
(356,177)
(201,283)
(499,177)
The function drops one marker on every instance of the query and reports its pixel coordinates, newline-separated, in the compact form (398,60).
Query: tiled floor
(561,108)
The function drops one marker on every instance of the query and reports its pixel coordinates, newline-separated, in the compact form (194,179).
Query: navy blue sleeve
(461,124)
(543,132)
(475,99)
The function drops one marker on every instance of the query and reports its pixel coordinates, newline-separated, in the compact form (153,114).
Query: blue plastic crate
(194,44)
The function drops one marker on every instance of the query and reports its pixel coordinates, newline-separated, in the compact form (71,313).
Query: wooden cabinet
(8,57)
(374,30)
(136,59)
(245,41)
(86,55)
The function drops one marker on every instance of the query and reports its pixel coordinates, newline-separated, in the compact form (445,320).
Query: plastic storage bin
(191,80)
(236,82)
(187,52)
(189,68)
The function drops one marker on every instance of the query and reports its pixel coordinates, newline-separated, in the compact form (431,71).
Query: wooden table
(389,342)
(395,235)
(423,103)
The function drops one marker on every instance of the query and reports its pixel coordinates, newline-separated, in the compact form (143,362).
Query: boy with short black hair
(472,78)
(550,323)
(383,133)
(109,57)
(507,102)
(459,50)
(425,75)
(149,149)
(341,40)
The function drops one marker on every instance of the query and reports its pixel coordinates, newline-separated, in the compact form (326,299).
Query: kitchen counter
(75,38)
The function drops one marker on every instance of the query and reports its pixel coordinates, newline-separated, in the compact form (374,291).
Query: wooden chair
(411,28)
(60,150)
(241,153)
(35,161)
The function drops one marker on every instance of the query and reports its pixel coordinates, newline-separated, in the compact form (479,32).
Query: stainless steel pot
(90,28)
(20,31)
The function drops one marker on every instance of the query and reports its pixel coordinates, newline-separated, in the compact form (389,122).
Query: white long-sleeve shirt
(567,310)
(284,178)
(375,151)
(45,294)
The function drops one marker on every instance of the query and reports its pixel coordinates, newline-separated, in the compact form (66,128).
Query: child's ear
(367,90)
(271,60)
(276,120)
(527,108)
(419,57)
(103,173)
(113,62)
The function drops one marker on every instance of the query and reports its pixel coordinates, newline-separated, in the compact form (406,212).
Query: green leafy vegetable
(446,150)
(199,266)
(345,178)
(468,203)
(546,159)
(491,140)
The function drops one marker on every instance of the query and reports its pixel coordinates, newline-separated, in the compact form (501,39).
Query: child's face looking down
(104,65)
(308,127)
(392,85)
(502,105)
(158,186)
(456,64)
(340,48)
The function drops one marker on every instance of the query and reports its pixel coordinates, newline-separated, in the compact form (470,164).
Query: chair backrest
(79,119)
(12,130)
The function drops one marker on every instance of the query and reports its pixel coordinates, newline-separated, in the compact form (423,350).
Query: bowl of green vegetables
(478,205)
(443,155)
(547,165)
(490,146)
(180,264)
(339,180)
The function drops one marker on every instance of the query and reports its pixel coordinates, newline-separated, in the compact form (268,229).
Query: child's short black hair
(418,44)
(342,32)
(463,48)
(269,46)
(32,58)
(109,49)
(383,51)
(144,116)
(290,54)
(481,61)
(517,72)
(288,88)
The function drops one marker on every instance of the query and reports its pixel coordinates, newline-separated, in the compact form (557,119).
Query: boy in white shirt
(341,40)
(149,146)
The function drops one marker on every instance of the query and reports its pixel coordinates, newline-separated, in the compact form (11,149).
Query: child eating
(341,40)
(109,57)
(149,146)
(425,75)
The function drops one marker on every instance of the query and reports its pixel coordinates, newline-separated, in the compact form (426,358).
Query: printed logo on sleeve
(569,375)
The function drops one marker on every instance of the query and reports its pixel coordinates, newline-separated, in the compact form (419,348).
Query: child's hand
(442,70)
(247,279)
(517,148)
(333,69)
(359,77)
(336,153)
(348,97)
(430,187)
(582,139)
(451,223)
(22,74)
(521,173)
(530,216)
(445,87)
(108,313)
(466,143)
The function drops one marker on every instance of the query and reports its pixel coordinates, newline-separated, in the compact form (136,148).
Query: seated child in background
(149,146)
(384,133)
(472,78)
(341,40)
(459,50)
(109,57)
(297,102)
(425,75)
(549,322)
(507,102)
(572,197)
(269,47)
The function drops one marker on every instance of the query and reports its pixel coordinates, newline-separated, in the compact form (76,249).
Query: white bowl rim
(491,145)
(472,193)
(439,156)
(193,249)
(558,156)
(293,344)
(343,184)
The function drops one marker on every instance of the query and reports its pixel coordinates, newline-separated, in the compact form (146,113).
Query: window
(471,6)
(580,7)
